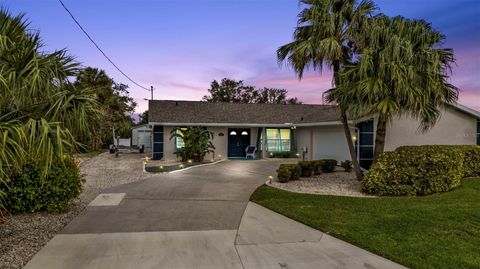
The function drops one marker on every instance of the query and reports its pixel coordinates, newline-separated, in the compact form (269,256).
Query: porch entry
(238,140)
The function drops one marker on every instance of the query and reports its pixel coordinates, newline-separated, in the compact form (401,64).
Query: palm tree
(196,143)
(324,38)
(41,112)
(401,70)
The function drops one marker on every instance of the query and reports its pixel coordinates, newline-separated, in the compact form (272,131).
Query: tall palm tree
(401,70)
(324,37)
(41,112)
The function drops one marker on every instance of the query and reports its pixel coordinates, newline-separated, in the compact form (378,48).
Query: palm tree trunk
(351,149)
(346,128)
(380,138)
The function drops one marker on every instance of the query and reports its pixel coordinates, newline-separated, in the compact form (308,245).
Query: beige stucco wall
(453,128)
(323,142)
(220,142)
(168,145)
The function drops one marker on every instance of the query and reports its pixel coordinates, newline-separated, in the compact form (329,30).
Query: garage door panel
(330,144)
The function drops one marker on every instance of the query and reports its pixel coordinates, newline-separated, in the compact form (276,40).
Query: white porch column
(264,146)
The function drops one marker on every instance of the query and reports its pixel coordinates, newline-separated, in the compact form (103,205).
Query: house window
(278,140)
(478,132)
(365,143)
(157,153)
(179,143)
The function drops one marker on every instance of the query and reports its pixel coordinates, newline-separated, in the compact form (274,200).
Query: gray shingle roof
(195,112)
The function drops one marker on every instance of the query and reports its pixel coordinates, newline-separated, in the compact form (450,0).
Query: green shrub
(317,167)
(286,154)
(284,174)
(347,165)
(287,172)
(471,163)
(28,191)
(296,171)
(307,168)
(416,170)
(327,165)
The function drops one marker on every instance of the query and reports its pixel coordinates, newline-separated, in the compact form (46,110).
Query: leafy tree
(231,91)
(275,96)
(41,112)
(143,118)
(324,38)
(115,102)
(402,69)
(197,143)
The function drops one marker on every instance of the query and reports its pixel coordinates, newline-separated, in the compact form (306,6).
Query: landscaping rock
(23,235)
(338,183)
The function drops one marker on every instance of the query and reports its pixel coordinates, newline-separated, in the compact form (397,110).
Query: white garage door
(330,144)
(145,138)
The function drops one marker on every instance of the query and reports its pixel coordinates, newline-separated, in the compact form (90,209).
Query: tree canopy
(41,112)
(401,69)
(116,106)
(231,91)
(324,37)
(143,118)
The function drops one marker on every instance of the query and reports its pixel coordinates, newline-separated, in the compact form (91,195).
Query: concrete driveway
(193,219)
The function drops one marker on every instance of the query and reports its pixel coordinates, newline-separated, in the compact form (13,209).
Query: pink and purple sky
(180,46)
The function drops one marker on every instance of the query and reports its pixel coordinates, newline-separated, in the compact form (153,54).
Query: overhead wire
(98,47)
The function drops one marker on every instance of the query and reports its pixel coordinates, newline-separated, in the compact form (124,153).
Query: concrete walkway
(198,218)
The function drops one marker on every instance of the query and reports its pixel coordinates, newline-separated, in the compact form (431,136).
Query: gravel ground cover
(23,235)
(339,183)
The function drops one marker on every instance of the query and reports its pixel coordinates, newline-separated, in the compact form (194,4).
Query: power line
(104,54)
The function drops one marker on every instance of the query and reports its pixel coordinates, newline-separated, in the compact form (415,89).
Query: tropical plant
(115,103)
(196,143)
(324,37)
(41,112)
(401,70)
(231,91)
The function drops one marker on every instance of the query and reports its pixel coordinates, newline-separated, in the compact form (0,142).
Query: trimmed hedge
(284,174)
(471,164)
(307,168)
(421,170)
(287,172)
(327,165)
(347,165)
(286,154)
(29,191)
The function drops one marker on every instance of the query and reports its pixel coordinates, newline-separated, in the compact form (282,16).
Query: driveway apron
(193,219)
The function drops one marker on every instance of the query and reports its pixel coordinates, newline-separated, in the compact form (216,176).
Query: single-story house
(311,131)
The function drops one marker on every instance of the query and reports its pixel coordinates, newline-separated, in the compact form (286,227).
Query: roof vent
(176,103)
(301,118)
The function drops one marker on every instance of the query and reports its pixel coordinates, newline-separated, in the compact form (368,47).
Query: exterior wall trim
(327,123)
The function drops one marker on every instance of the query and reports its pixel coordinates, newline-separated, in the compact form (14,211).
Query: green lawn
(436,231)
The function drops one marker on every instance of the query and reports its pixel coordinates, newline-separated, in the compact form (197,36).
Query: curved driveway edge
(193,219)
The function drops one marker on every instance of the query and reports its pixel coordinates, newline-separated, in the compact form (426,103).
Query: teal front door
(238,140)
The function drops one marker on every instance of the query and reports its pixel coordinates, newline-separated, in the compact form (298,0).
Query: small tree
(197,143)
(143,118)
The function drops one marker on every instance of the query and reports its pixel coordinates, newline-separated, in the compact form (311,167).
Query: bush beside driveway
(23,235)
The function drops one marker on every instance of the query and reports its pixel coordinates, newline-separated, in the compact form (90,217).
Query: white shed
(142,135)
